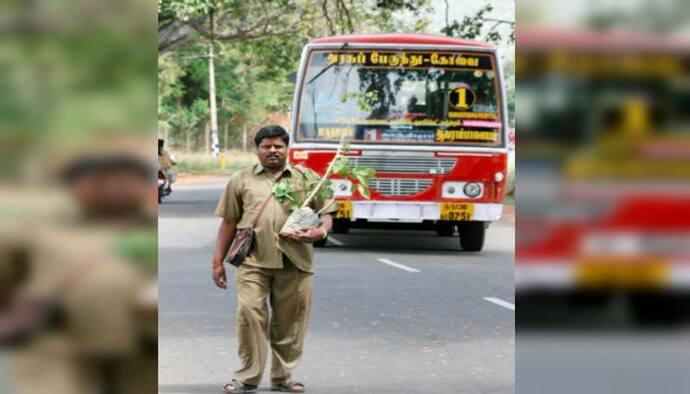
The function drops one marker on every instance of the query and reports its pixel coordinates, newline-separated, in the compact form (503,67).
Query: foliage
(70,73)
(475,27)
(199,163)
(297,194)
(365,101)
(257,45)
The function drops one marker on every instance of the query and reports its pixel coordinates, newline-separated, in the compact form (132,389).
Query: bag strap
(261,210)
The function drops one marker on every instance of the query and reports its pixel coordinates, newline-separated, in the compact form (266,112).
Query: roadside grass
(237,160)
(203,163)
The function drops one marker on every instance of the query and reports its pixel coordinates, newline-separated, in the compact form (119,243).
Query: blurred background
(603,198)
(255,59)
(78,234)
(244,56)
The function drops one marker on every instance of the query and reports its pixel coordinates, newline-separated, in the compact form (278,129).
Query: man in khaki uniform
(98,265)
(278,270)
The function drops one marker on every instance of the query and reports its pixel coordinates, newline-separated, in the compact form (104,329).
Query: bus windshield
(421,97)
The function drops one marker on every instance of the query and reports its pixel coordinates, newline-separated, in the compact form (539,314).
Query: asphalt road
(393,311)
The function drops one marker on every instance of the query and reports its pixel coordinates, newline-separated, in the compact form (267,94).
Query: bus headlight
(498,176)
(472,189)
(462,190)
(341,188)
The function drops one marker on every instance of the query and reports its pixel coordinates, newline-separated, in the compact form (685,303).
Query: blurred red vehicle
(604,164)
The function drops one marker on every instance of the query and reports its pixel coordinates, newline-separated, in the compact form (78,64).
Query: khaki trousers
(41,372)
(288,291)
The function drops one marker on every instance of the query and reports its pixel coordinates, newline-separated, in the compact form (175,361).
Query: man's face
(111,194)
(272,153)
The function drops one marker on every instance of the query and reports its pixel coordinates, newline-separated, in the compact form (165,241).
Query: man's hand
(219,276)
(226,232)
(310,236)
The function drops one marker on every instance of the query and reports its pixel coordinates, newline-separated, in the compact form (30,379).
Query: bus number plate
(344,210)
(622,273)
(456,211)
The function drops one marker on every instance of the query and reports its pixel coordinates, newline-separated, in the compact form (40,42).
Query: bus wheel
(341,226)
(659,309)
(472,235)
(445,229)
(321,243)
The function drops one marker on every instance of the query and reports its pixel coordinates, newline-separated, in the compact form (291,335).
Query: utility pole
(244,137)
(212,91)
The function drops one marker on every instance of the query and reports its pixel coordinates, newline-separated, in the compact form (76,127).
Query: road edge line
(500,302)
(398,265)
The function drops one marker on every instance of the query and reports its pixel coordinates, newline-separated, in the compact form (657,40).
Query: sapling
(300,194)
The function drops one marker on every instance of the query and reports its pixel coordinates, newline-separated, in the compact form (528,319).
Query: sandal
(288,387)
(235,386)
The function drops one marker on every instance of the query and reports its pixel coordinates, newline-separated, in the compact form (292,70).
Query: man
(165,164)
(277,270)
(97,264)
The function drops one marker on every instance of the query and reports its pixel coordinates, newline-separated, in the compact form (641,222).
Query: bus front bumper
(418,211)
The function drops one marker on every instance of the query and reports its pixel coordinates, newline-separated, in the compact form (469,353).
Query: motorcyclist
(165,164)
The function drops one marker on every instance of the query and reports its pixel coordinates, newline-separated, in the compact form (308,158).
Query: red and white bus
(604,168)
(428,113)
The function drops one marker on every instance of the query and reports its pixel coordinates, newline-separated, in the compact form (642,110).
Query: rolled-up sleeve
(230,204)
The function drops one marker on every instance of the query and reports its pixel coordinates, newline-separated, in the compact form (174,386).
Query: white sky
(503,9)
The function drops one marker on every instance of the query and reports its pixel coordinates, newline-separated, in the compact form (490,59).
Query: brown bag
(244,239)
(22,319)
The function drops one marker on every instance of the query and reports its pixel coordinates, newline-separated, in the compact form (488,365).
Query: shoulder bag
(244,239)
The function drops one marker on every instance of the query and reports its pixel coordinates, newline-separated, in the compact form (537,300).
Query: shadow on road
(412,242)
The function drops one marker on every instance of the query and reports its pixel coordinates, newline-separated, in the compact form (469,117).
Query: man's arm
(318,233)
(226,233)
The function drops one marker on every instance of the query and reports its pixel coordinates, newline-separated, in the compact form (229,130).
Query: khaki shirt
(105,285)
(241,201)
(164,161)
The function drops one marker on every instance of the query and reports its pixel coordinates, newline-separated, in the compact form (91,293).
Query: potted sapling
(300,194)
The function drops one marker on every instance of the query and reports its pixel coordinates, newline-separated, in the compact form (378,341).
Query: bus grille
(405,164)
(398,186)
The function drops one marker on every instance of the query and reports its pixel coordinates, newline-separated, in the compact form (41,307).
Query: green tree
(480,26)
(257,46)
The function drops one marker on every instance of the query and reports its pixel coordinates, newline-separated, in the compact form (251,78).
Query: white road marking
(335,241)
(500,302)
(398,265)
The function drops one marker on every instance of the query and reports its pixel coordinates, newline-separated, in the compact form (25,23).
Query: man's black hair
(271,132)
(101,164)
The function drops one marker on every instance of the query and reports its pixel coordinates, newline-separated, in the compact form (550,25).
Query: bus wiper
(327,68)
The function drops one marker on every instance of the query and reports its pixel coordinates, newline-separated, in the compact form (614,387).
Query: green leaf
(326,193)
(311,185)
(284,192)
(342,167)
(363,172)
(363,191)
(292,201)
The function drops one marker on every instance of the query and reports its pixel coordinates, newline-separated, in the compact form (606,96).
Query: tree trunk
(226,126)
(244,137)
(207,137)
(179,111)
(188,133)
(212,91)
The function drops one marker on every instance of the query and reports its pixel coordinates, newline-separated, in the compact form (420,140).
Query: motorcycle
(164,189)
